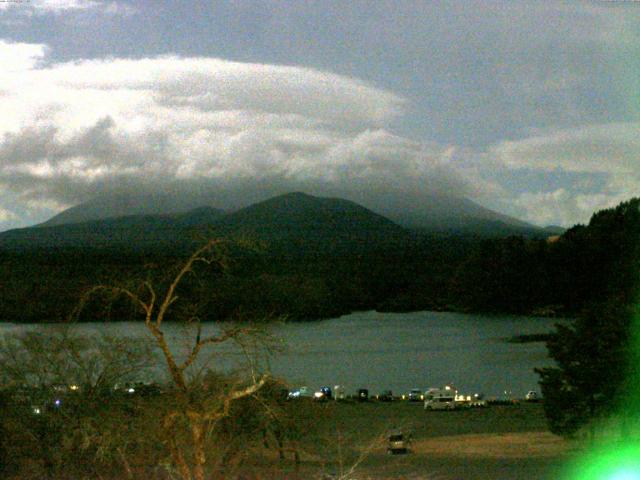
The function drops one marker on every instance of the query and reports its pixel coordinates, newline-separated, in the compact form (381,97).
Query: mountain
(301,216)
(309,222)
(127,205)
(554,230)
(432,214)
(137,231)
(142,221)
(449,214)
(198,217)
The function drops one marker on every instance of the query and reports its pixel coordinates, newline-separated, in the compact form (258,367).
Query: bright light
(610,462)
(131,390)
(626,474)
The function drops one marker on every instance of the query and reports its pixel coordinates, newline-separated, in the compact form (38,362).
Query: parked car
(398,442)
(531,396)
(363,395)
(504,399)
(323,394)
(148,389)
(440,403)
(415,395)
(478,400)
(385,396)
(302,392)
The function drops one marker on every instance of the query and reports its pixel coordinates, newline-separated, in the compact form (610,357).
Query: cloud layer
(543,98)
(72,130)
(609,151)
(43,7)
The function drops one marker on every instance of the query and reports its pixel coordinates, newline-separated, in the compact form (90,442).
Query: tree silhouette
(193,411)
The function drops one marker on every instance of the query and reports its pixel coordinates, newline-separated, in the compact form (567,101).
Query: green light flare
(609,459)
(616,462)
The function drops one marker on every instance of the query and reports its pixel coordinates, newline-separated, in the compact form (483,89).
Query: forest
(307,277)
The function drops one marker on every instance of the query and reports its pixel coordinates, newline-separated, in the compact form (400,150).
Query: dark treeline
(596,356)
(309,278)
(583,267)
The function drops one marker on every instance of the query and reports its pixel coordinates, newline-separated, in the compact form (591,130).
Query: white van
(439,399)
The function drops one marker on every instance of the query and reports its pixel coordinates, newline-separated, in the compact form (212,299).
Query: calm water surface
(396,351)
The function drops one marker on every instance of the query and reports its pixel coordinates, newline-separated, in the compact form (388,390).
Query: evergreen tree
(592,358)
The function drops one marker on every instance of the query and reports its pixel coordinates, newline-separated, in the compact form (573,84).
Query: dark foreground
(330,440)
(498,442)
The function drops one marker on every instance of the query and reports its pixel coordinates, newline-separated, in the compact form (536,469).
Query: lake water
(396,351)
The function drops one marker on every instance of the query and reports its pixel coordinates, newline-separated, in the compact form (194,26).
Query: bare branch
(233,396)
(250,390)
(174,370)
(377,441)
(115,291)
(170,297)
(214,339)
(152,301)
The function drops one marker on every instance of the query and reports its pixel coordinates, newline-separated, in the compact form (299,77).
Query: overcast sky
(529,108)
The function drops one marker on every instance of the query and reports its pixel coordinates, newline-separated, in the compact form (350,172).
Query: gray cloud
(609,150)
(220,128)
(42,7)
(596,148)
(532,90)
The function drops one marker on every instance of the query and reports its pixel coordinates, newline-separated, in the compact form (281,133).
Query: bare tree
(61,356)
(62,417)
(193,411)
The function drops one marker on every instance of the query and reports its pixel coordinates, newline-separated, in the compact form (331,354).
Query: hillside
(118,205)
(311,257)
(442,214)
(297,242)
(294,219)
(448,213)
(129,233)
(304,218)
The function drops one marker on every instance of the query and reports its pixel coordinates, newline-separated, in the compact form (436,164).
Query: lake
(396,351)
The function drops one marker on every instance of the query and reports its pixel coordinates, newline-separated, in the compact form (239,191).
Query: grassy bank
(341,440)
(498,442)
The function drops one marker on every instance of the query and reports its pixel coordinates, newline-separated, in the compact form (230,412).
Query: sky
(529,108)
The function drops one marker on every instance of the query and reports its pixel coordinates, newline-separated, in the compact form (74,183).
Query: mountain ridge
(434,214)
(295,216)
(119,205)
(309,212)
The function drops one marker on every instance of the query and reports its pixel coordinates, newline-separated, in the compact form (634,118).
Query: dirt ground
(501,446)
(522,455)
(348,441)
(510,456)
(499,442)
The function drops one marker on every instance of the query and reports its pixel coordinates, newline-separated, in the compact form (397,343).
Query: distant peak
(296,195)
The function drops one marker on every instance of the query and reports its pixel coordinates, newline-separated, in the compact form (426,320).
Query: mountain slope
(126,205)
(453,215)
(292,221)
(302,216)
(432,214)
